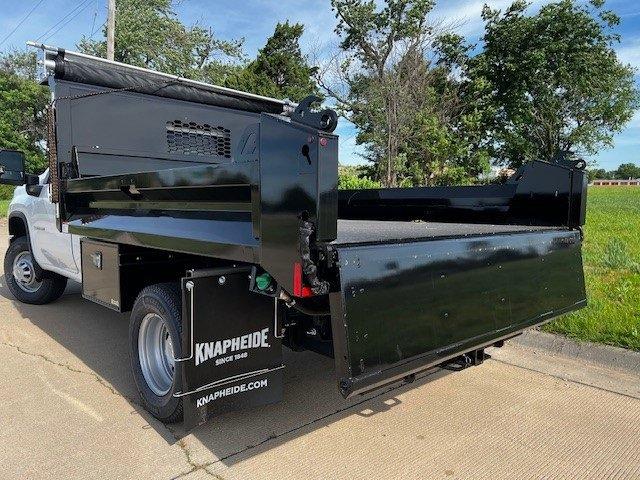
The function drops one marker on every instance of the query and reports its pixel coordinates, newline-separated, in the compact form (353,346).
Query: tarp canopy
(80,69)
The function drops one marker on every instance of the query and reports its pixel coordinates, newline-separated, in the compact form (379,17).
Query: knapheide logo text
(209,350)
(225,392)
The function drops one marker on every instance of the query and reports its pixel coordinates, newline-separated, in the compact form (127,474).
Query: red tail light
(299,289)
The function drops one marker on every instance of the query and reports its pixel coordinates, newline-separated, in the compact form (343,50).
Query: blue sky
(255,20)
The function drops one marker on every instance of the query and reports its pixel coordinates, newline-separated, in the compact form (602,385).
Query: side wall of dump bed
(103,132)
(538,193)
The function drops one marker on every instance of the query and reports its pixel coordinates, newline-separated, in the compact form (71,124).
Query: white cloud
(255,20)
(465,16)
(630,53)
(348,150)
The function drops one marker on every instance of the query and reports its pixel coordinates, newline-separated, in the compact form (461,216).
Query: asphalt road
(68,409)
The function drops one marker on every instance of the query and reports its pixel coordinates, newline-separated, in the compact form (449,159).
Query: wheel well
(17,228)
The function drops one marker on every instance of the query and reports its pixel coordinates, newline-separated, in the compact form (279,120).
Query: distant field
(4,205)
(612,266)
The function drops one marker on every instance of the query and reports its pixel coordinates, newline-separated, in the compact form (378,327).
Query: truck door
(232,354)
(54,248)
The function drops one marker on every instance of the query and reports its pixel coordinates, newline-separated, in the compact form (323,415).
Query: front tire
(20,276)
(154,341)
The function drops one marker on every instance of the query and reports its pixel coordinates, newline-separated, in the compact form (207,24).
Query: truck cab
(34,215)
(41,257)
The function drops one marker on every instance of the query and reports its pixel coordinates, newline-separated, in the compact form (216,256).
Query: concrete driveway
(68,409)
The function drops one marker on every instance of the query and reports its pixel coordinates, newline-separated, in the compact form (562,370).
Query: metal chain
(51,131)
(52,153)
(115,90)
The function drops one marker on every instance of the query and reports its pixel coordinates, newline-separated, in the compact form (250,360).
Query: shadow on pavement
(99,338)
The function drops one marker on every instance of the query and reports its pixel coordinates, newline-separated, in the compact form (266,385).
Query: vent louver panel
(190,138)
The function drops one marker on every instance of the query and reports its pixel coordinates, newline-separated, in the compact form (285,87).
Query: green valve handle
(263,281)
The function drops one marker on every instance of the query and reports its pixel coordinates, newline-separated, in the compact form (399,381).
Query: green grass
(4,205)
(611,253)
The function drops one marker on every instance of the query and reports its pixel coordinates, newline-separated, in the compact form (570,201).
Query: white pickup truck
(40,258)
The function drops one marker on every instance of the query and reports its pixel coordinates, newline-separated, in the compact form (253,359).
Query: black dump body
(403,278)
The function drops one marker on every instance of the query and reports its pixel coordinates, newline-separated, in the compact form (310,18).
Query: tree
(598,174)
(22,105)
(355,178)
(280,69)
(380,88)
(22,64)
(404,103)
(555,79)
(626,171)
(148,34)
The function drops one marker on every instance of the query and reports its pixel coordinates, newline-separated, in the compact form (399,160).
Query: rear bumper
(405,307)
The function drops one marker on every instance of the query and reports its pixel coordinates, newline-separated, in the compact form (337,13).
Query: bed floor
(374,231)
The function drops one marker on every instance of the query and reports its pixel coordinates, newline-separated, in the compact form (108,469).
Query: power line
(98,29)
(73,10)
(93,23)
(69,20)
(21,22)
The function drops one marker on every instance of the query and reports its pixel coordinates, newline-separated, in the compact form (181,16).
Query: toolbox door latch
(96,259)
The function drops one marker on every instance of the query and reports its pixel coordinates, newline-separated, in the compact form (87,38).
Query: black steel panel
(194,177)
(293,188)
(204,210)
(539,193)
(109,162)
(202,189)
(406,306)
(327,188)
(130,133)
(231,357)
(101,273)
(487,202)
(219,238)
(378,231)
(578,211)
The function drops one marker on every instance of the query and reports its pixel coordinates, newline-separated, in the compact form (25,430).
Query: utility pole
(111,28)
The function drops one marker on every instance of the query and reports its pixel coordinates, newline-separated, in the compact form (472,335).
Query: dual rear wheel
(154,344)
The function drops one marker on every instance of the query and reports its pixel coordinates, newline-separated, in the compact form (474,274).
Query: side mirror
(11,167)
(32,185)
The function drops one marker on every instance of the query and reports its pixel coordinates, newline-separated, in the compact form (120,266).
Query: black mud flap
(232,358)
(406,307)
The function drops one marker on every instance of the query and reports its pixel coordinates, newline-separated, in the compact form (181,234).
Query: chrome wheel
(24,273)
(155,352)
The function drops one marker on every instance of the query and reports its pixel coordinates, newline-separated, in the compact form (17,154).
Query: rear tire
(154,341)
(19,275)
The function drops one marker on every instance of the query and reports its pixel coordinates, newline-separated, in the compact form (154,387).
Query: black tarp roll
(116,77)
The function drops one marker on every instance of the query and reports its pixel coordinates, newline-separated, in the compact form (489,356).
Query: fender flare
(23,218)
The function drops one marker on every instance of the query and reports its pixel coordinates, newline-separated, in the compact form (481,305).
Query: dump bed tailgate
(421,293)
